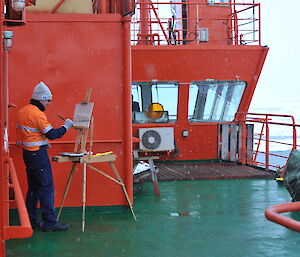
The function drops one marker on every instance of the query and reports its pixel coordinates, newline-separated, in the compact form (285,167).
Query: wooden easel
(85,160)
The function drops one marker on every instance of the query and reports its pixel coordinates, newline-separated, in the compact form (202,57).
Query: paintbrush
(60,117)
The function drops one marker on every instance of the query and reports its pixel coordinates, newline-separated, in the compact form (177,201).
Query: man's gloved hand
(68,124)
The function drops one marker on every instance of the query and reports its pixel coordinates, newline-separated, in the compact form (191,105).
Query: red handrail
(272,214)
(142,21)
(266,120)
(53,10)
(25,229)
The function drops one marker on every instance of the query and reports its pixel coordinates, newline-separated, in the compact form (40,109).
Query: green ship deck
(190,218)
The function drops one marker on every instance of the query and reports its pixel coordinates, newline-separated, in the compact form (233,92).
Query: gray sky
(278,90)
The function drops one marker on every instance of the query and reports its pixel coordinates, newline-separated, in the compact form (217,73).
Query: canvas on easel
(82,120)
(82,115)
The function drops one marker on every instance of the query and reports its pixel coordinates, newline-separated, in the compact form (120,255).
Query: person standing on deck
(33,132)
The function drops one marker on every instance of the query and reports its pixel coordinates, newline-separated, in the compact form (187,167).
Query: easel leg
(112,165)
(66,189)
(83,195)
(83,140)
(78,140)
(91,135)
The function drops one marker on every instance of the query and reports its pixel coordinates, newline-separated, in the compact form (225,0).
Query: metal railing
(24,230)
(181,23)
(274,138)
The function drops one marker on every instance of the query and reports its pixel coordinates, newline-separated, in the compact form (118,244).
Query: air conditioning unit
(157,139)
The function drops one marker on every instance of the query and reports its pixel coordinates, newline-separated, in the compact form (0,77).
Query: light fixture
(7,39)
(18,5)
(185,133)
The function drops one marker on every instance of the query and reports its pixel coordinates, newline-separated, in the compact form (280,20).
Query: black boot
(36,224)
(55,227)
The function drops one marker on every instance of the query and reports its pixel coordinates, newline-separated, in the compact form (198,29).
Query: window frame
(151,84)
(214,109)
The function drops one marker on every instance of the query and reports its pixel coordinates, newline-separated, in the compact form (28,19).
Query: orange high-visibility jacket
(32,125)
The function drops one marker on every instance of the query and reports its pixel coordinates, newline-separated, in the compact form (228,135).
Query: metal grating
(207,170)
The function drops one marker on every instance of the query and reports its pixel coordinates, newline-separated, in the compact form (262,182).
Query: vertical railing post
(294,138)
(267,144)
(144,32)
(197,24)
(235,26)
(259,25)
(294,134)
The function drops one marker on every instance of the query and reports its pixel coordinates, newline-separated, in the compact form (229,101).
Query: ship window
(145,94)
(212,2)
(214,101)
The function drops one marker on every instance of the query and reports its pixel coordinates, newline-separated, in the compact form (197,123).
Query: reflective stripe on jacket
(32,125)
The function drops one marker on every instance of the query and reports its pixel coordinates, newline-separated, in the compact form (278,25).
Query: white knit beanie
(41,92)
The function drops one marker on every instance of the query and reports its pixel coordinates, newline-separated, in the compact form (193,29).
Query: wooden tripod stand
(86,161)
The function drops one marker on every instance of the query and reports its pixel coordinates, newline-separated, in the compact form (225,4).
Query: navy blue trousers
(40,185)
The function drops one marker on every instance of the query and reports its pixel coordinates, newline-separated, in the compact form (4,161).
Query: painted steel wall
(216,18)
(197,63)
(71,53)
